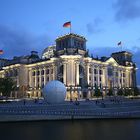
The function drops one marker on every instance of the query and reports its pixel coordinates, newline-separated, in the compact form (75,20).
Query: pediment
(112,61)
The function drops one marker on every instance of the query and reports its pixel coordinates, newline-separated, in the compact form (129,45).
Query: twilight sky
(27,25)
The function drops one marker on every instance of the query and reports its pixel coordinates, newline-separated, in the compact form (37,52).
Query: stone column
(122,78)
(127,78)
(50,75)
(65,73)
(72,71)
(88,73)
(77,73)
(130,79)
(104,81)
(44,75)
(30,77)
(35,78)
(40,78)
(98,76)
(53,68)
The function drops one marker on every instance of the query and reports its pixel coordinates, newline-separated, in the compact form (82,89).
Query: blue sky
(27,25)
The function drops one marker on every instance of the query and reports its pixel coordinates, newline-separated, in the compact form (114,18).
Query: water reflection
(72,130)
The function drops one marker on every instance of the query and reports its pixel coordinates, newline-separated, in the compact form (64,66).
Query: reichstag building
(69,62)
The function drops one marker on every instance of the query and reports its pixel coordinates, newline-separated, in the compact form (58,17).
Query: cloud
(94,27)
(127,10)
(16,42)
(103,51)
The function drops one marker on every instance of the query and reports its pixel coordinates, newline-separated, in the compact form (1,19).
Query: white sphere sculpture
(54,92)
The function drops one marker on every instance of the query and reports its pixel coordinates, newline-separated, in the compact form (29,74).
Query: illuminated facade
(70,63)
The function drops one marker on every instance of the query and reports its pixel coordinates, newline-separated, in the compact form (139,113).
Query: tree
(127,92)
(136,91)
(110,92)
(97,92)
(6,86)
(120,92)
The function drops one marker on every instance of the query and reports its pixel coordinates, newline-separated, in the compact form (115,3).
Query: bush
(110,92)
(120,92)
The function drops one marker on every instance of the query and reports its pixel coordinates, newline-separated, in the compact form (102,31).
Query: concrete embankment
(88,110)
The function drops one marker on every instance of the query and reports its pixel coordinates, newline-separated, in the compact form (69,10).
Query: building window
(89,78)
(100,78)
(42,72)
(6,74)
(11,73)
(47,71)
(95,71)
(38,72)
(90,70)
(15,73)
(117,74)
(95,85)
(75,43)
(101,72)
(110,71)
(38,79)
(42,79)
(33,73)
(95,78)
(81,70)
(123,74)
(38,86)
(61,69)
(47,79)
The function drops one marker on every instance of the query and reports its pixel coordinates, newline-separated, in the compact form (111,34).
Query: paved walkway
(29,110)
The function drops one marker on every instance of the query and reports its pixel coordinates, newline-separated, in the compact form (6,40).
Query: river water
(121,129)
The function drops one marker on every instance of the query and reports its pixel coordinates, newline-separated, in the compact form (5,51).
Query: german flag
(67,24)
(1,51)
